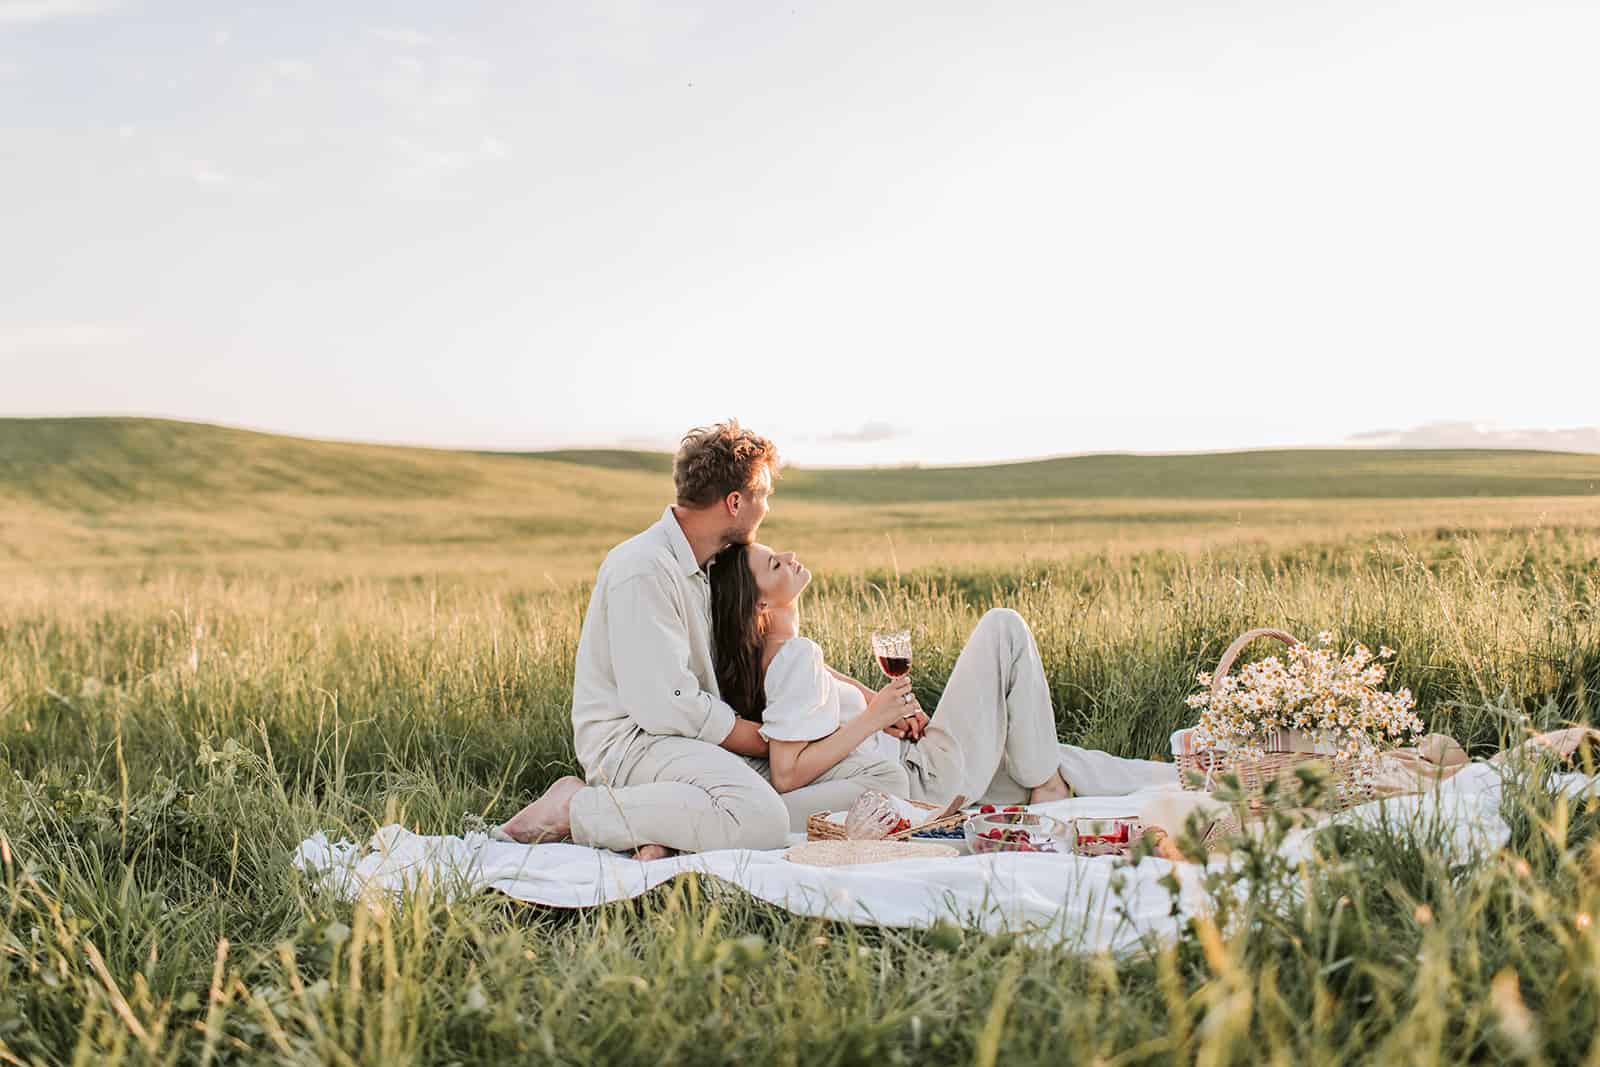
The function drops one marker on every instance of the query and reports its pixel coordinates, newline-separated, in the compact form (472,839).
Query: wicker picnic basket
(1200,769)
(820,828)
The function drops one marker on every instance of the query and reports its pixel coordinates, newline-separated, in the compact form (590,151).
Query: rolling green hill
(124,491)
(1285,474)
(1303,474)
(658,463)
(95,462)
(115,490)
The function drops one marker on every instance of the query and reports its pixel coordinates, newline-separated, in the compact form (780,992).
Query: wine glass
(893,651)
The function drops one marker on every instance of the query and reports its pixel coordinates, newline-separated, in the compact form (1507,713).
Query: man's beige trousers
(694,797)
(685,794)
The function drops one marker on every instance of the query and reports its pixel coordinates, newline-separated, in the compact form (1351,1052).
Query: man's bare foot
(1054,788)
(651,852)
(547,819)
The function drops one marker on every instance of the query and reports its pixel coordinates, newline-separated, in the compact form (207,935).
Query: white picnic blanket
(1067,899)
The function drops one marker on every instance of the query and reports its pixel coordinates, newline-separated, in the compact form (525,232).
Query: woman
(992,737)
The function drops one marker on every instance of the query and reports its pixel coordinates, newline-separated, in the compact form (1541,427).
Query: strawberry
(1014,807)
(987,809)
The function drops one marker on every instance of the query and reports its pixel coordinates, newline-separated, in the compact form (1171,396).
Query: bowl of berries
(1015,829)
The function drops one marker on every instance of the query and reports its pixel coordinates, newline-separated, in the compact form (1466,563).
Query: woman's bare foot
(1054,788)
(651,852)
(547,819)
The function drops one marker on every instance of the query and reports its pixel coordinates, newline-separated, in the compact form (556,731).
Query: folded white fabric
(1065,899)
(1062,898)
(1092,773)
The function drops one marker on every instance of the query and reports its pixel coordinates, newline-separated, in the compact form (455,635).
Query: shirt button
(677,692)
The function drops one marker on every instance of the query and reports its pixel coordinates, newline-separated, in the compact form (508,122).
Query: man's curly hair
(713,461)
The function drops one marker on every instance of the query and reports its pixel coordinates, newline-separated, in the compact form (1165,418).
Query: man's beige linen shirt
(644,656)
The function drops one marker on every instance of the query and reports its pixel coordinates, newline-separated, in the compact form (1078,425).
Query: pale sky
(879,232)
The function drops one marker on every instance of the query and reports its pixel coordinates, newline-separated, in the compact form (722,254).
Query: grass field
(213,643)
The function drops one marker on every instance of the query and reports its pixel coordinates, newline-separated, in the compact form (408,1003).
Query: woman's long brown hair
(737,632)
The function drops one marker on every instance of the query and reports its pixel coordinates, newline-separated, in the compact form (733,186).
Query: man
(668,763)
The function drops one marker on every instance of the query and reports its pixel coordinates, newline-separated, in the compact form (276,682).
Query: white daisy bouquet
(1332,701)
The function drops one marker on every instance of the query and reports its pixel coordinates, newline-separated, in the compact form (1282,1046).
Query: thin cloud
(1474,435)
(36,336)
(191,169)
(289,77)
(435,92)
(867,434)
(294,70)
(426,168)
(403,36)
(46,10)
(656,442)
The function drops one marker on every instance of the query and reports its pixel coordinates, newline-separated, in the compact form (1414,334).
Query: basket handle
(1231,654)
(1233,650)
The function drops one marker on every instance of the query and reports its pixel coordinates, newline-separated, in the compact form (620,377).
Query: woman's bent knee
(1005,623)
(1006,617)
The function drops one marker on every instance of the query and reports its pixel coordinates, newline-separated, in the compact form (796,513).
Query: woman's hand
(892,703)
(912,727)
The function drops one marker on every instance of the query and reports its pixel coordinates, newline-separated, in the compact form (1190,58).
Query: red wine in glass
(893,651)
(895,666)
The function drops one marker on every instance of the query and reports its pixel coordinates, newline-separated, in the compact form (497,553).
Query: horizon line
(901,465)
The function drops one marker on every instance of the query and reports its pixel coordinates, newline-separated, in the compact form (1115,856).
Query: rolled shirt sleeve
(650,656)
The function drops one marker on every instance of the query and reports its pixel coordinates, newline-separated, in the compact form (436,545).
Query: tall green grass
(169,738)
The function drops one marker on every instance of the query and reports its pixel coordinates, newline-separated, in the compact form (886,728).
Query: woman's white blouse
(806,703)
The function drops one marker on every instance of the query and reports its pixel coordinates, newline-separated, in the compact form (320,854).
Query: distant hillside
(609,458)
(1287,474)
(1297,474)
(139,493)
(90,463)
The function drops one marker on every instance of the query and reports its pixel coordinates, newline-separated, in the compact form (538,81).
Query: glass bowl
(1017,831)
(1105,835)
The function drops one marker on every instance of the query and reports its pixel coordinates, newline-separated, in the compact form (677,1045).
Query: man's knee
(749,812)
(759,820)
